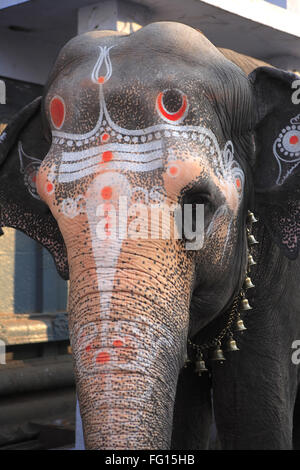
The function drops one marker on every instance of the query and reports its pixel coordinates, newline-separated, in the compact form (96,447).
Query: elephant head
(156,119)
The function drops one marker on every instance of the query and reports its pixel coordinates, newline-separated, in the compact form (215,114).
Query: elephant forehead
(162,39)
(134,100)
(134,130)
(139,87)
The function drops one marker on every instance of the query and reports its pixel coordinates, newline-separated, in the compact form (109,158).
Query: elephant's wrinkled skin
(162,115)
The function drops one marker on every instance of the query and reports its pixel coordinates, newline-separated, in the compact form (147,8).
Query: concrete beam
(10,3)
(125,17)
(286,62)
(36,374)
(262,12)
(25,58)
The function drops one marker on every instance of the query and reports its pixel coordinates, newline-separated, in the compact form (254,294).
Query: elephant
(161,118)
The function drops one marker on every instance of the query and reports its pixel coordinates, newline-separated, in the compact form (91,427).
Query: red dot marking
(106,226)
(106,156)
(173,170)
(102,357)
(294,140)
(118,343)
(33,178)
(106,192)
(105,137)
(57,112)
(49,187)
(88,348)
(101,79)
(238,183)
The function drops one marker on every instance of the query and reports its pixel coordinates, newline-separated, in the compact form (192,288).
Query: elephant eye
(172,105)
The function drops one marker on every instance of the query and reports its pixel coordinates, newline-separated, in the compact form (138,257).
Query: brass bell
(200,366)
(186,363)
(252,218)
(231,345)
(245,305)
(217,355)
(251,261)
(239,326)
(252,240)
(248,283)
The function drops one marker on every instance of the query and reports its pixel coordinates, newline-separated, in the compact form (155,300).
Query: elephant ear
(277,168)
(22,149)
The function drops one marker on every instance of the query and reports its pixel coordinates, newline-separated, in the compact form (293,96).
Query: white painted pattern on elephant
(286,149)
(136,150)
(230,169)
(103,61)
(106,252)
(135,157)
(91,343)
(92,340)
(30,171)
(145,365)
(149,156)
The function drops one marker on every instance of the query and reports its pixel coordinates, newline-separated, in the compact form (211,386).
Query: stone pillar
(294,6)
(117,15)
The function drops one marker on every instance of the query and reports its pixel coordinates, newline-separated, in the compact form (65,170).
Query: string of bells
(225,341)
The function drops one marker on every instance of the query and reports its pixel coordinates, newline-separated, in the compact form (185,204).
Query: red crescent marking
(171,116)
(57,112)
(118,343)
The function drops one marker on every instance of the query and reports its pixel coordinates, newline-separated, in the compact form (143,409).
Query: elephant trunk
(128,320)
(127,361)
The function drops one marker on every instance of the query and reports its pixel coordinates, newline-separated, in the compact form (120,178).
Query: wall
(29,284)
